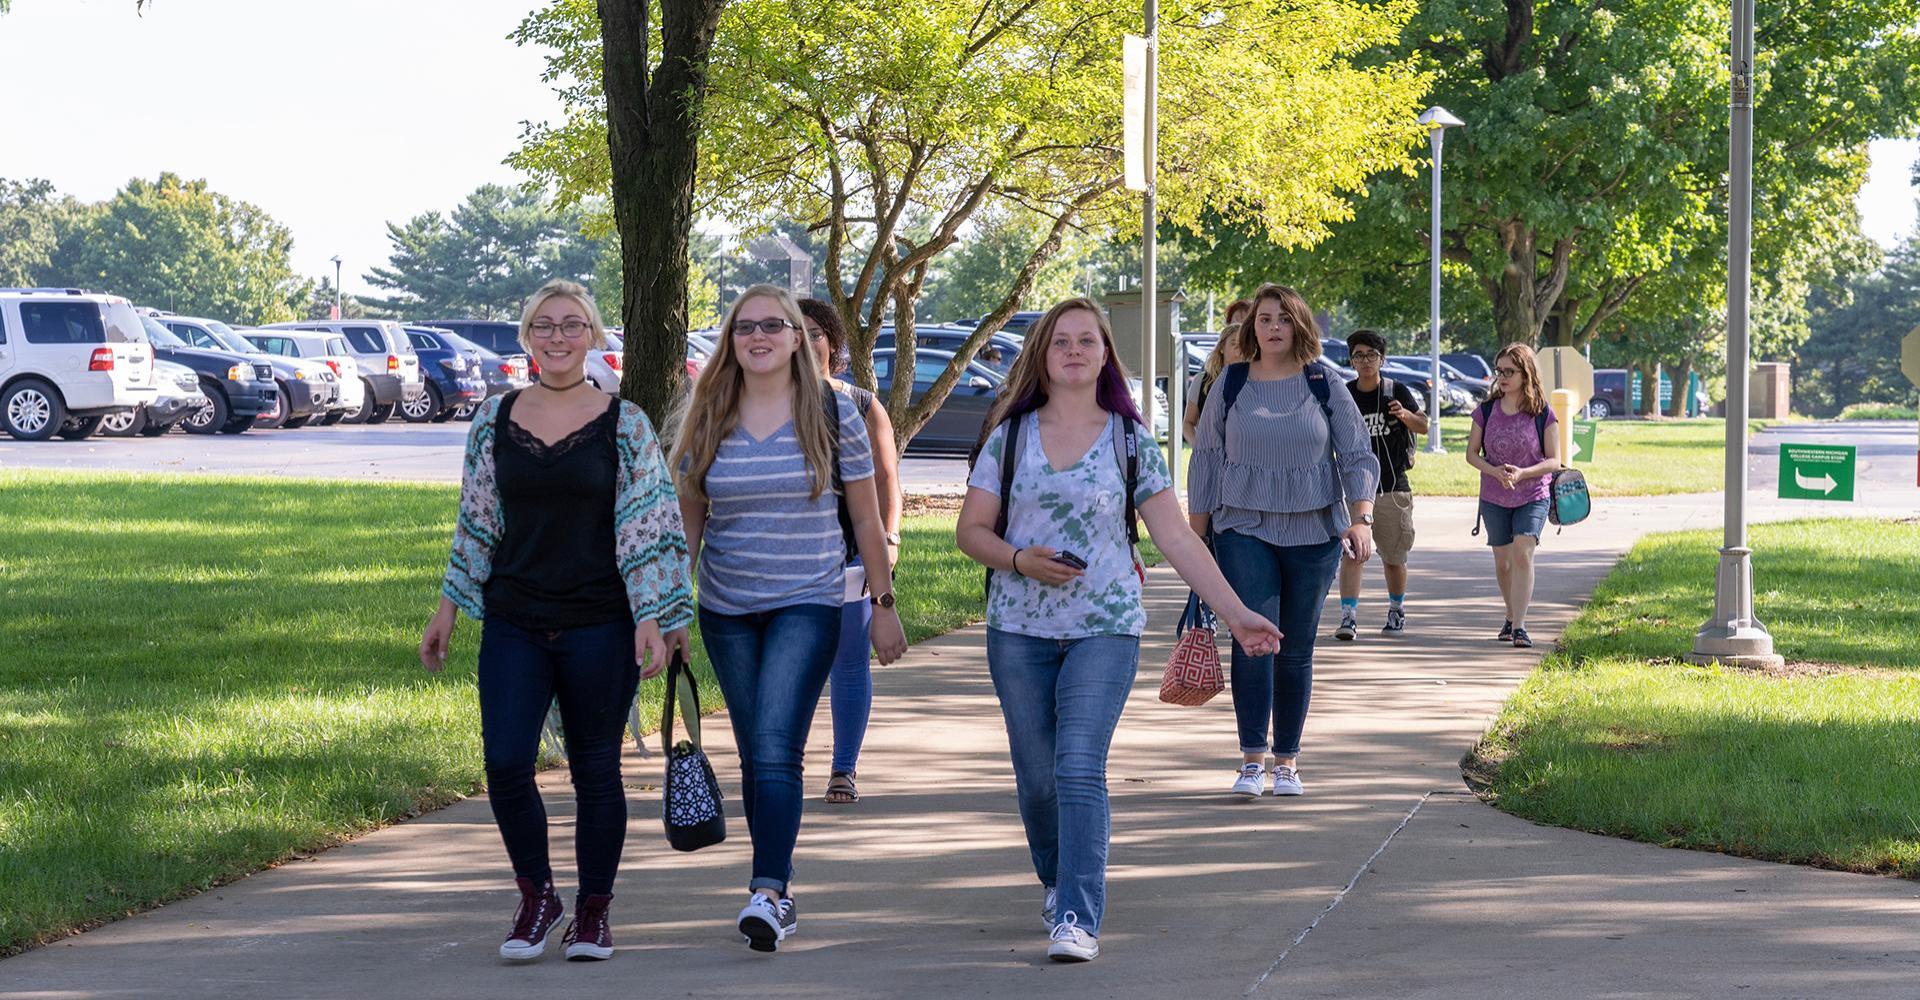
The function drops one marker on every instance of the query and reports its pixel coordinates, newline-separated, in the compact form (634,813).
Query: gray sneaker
(789,917)
(1349,627)
(1396,622)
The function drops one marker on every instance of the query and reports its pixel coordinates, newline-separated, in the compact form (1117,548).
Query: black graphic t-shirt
(1391,438)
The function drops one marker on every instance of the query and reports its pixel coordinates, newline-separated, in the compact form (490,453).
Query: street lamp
(337,313)
(1437,120)
(1733,635)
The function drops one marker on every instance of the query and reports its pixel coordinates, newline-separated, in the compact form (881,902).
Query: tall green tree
(1595,154)
(485,257)
(1853,355)
(863,123)
(27,233)
(181,245)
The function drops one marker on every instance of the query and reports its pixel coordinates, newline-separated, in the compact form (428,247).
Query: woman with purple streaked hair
(1064,614)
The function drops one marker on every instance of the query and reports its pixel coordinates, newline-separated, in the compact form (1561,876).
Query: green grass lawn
(200,677)
(1631,458)
(1819,764)
(1879,411)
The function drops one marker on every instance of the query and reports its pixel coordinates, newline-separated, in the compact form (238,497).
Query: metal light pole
(1437,120)
(1149,280)
(1732,635)
(338,313)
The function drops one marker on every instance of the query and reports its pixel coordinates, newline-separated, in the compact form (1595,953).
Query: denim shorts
(1503,524)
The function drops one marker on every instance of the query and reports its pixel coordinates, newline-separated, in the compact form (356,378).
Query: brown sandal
(840,789)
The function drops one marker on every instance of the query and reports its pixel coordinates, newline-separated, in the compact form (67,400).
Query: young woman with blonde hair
(568,549)
(776,489)
(1063,606)
(1284,475)
(1515,447)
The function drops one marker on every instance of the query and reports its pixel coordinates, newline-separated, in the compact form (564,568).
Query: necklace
(563,388)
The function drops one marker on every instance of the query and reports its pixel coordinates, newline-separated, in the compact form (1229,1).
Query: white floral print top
(1079,509)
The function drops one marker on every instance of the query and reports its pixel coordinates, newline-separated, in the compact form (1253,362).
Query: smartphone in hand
(1070,559)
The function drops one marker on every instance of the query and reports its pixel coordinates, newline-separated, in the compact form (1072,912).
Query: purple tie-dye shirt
(1511,440)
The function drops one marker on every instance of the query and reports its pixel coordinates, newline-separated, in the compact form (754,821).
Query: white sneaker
(1286,781)
(760,923)
(1049,908)
(1251,781)
(1071,944)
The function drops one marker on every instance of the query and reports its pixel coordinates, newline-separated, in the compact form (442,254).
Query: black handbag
(690,796)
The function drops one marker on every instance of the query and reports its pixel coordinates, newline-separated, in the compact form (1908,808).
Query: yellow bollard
(1562,404)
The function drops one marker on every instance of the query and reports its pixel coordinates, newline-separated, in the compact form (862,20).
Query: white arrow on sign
(1824,484)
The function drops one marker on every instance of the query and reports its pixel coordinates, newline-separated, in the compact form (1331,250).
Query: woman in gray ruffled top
(1283,477)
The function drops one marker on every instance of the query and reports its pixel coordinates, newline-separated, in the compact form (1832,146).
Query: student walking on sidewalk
(1283,473)
(568,550)
(850,685)
(767,456)
(1393,418)
(1222,355)
(1514,446)
(1063,606)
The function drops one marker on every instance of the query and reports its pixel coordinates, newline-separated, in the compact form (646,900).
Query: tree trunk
(653,130)
(1649,389)
(1682,374)
(1522,297)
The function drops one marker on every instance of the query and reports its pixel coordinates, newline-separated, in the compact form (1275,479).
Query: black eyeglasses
(746,327)
(1506,372)
(1363,356)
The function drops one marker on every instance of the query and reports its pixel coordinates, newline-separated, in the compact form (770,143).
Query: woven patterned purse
(1193,673)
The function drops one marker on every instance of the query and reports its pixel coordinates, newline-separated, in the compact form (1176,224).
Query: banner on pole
(1134,111)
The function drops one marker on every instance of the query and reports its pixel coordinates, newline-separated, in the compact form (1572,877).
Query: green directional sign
(1584,432)
(1816,472)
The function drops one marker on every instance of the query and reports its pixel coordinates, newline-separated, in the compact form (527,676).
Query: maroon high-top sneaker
(590,937)
(540,909)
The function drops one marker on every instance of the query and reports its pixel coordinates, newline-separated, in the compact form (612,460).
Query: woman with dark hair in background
(1063,607)
(850,685)
(1283,474)
(1223,354)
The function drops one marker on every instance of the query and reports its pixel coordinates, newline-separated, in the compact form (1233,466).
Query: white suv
(69,358)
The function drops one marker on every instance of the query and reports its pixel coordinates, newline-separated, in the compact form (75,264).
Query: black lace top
(555,567)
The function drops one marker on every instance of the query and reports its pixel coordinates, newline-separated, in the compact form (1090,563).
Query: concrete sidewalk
(1384,880)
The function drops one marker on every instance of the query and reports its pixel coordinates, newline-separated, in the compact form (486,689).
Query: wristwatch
(1367,519)
(892,538)
(883,600)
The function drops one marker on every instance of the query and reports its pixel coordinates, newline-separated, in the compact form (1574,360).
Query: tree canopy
(1593,164)
(177,244)
(485,257)
(892,134)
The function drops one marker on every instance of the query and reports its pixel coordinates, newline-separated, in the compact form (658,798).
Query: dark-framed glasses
(572,329)
(770,327)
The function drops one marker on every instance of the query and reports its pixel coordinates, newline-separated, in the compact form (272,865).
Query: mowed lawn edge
(201,677)
(1818,764)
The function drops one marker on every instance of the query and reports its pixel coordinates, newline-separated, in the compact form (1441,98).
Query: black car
(955,427)
(503,374)
(453,375)
(997,353)
(239,388)
(498,336)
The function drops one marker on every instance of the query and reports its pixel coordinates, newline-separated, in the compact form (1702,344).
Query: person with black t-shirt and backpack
(1392,414)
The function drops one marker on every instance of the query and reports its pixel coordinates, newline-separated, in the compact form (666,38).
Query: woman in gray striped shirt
(1283,475)
(763,470)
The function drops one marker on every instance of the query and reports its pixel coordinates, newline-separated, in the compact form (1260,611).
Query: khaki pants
(1393,527)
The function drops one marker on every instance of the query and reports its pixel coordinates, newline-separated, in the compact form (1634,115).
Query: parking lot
(385,452)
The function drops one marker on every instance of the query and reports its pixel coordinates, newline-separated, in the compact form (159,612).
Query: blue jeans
(852,684)
(772,667)
(1062,699)
(1288,585)
(1504,524)
(591,673)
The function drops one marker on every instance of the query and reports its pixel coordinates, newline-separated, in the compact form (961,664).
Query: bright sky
(337,117)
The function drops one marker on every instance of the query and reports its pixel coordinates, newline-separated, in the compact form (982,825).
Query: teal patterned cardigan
(650,544)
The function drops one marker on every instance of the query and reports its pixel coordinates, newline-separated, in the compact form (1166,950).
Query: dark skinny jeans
(1287,585)
(591,672)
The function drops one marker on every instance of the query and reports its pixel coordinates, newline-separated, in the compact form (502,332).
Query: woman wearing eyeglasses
(850,685)
(1513,445)
(763,469)
(569,551)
